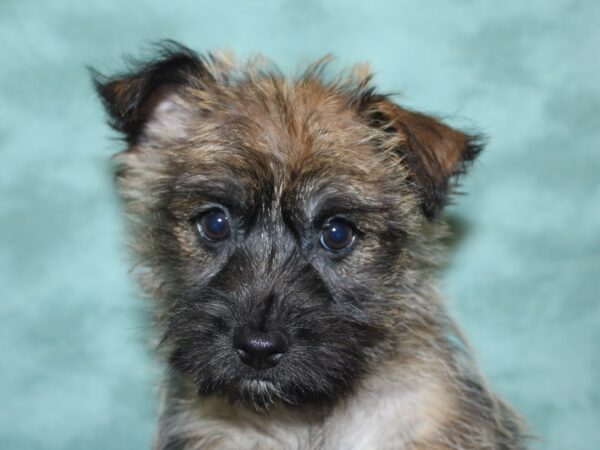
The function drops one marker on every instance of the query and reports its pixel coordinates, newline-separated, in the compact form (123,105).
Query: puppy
(288,230)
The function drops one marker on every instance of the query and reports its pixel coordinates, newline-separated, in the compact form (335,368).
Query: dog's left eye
(214,225)
(337,235)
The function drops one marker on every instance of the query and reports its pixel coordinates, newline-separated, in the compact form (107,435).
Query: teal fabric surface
(523,278)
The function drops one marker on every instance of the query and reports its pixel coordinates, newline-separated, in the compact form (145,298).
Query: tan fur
(422,391)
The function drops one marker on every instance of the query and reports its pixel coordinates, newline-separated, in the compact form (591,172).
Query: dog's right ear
(146,97)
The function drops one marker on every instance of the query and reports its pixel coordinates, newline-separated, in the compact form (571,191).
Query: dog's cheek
(186,259)
(365,300)
(198,335)
(319,372)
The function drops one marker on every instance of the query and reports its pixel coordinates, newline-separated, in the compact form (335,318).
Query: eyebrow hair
(340,203)
(227,192)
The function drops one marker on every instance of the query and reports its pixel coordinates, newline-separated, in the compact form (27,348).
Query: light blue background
(75,369)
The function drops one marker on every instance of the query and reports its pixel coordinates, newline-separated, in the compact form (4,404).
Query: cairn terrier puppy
(288,230)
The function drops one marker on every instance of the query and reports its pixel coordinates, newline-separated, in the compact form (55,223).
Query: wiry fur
(374,361)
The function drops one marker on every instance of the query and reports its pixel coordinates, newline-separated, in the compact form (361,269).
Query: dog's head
(283,224)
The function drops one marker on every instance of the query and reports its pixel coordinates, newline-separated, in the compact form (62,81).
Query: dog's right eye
(213,225)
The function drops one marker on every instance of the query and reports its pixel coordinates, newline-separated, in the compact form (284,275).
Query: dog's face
(283,224)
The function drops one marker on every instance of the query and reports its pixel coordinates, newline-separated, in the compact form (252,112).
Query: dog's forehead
(285,136)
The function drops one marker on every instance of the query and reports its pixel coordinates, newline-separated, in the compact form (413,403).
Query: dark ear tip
(434,202)
(100,83)
(102,86)
(476,142)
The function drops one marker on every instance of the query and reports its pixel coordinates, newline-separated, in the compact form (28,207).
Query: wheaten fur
(373,361)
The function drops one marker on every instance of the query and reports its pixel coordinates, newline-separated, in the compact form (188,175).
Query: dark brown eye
(214,225)
(337,236)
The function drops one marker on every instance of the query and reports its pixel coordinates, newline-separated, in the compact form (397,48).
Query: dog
(288,230)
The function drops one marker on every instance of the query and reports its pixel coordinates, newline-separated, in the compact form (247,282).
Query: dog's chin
(259,394)
(262,394)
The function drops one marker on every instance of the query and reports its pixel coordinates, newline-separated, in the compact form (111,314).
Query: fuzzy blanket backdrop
(523,278)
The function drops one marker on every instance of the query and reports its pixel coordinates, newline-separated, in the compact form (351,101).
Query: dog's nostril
(259,351)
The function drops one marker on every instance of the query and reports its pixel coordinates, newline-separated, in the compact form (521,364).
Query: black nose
(259,350)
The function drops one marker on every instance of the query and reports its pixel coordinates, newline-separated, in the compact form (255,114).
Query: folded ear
(149,92)
(434,153)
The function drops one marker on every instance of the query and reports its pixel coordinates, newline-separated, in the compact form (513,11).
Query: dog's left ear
(148,97)
(435,154)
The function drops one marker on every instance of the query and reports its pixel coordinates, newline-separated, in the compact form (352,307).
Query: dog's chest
(397,418)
